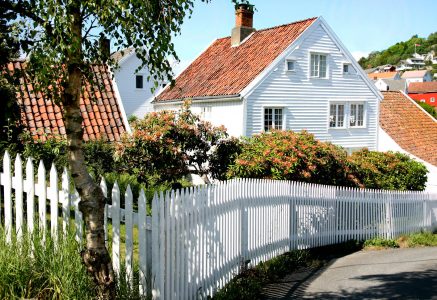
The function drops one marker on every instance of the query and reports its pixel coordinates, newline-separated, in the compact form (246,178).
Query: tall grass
(33,268)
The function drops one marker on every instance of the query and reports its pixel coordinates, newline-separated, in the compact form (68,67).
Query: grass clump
(420,239)
(34,268)
(380,243)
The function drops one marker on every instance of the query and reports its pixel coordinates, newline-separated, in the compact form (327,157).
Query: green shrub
(286,155)
(224,156)
(166,146)
(388,170)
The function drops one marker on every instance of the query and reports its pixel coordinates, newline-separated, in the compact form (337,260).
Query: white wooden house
(297,76)
(134,88)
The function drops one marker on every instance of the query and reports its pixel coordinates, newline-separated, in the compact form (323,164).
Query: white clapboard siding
(198,238)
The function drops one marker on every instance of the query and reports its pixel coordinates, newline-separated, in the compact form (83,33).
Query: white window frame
(136,76)
(273,117)
(422,101)
(205,112)
(319,54)
(337,103)
(349,66)
(347,114)
(286,65)
(432,99)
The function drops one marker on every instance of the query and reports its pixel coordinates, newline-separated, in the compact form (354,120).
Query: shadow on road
(405,285)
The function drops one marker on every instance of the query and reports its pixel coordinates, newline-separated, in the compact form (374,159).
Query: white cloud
(358,54)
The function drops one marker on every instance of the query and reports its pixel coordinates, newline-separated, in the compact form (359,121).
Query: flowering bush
(293,156)
(167,145)
(388,170)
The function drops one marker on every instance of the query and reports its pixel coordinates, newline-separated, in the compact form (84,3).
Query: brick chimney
(243,23)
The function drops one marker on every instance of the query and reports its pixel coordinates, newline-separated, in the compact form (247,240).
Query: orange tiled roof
(382,75)
(411,128)
(102,117)
(223,70)
(423,87)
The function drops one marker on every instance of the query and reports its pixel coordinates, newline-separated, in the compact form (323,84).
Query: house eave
(200,99)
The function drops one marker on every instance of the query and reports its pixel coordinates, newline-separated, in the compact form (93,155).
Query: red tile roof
(422,87)
(223,70)
(409,126)
(102,117)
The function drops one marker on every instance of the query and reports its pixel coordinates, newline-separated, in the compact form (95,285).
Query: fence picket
(7,186)
(30,195)
(129,226)
(42,196)
(142,244)
(18,187)
(54,199)
(65,192)
(115,215)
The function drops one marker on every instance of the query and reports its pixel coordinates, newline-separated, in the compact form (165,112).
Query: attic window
(139,82)
(318,65)
(347,69)
(289,65)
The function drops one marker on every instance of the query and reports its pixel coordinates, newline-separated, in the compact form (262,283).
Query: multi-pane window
(318,65)
(273,118)
(346,114)
(205,112)
(139,81)
(356,116)
(336,115)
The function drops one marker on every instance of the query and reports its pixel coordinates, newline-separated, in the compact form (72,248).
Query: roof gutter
(200,99)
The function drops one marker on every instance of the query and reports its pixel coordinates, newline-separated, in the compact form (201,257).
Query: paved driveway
(386,274)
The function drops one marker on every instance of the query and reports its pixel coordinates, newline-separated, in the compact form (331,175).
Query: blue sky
(362,25)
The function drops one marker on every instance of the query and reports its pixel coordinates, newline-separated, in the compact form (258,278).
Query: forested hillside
(400,51)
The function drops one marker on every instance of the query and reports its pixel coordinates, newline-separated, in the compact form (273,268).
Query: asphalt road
(385,274)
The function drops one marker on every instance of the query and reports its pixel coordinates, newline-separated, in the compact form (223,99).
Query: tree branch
(25,10)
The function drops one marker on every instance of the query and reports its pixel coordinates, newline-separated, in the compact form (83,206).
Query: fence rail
(198,238)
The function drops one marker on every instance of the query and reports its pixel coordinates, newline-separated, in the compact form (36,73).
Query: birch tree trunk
(95,255)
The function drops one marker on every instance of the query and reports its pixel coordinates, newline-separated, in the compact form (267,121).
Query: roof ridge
(275,27)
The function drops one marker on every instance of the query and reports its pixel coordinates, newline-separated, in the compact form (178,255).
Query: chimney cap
(244,5)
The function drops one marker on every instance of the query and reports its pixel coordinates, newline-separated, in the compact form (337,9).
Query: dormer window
(289,65)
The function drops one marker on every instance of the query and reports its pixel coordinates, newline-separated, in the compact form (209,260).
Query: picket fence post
(7,185)
(30,195)
(18,186)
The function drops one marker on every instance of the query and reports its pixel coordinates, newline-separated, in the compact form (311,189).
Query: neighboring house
(391,85)
(384,75)
(135,89)
(103,117)
(297,76)
(416,76)
(425,92)
(407,128)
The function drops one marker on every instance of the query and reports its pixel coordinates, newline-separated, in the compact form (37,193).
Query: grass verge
(419,239)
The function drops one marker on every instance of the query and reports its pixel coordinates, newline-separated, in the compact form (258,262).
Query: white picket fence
(198,238)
